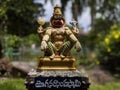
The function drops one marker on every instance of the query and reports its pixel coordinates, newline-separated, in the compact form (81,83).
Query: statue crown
(57,10)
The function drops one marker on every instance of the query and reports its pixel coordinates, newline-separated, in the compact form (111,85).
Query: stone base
(57,80)
(57,63)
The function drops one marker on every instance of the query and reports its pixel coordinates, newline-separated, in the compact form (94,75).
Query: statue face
(57,21)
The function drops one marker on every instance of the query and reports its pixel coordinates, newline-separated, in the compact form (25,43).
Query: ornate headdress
(57,10)
(57,17)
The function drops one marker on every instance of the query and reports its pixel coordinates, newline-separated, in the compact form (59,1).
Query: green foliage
(18,17)
(12,84)
(13,40)
(16,41)
(103,15)
(86,57)
(31,39)
(107,86)
(109,50)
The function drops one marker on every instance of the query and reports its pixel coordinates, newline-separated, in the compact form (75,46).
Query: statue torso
(57,37)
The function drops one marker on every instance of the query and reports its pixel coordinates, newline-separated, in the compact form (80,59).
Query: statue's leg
(65,48)
(51,49)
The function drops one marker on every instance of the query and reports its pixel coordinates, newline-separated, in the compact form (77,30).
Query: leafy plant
(19,18)
(31,39)
(109,50)
(13,40)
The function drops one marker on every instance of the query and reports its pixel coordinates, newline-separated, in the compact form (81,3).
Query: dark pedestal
(57,80)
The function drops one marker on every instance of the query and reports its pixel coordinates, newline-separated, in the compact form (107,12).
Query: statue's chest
(58,31)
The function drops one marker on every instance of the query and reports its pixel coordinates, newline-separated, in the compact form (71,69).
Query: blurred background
(99,34)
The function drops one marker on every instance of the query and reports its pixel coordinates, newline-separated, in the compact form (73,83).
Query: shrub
(12,40)
(31,39)
(109,50)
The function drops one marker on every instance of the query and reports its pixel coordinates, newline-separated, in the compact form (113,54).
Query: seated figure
(57,39)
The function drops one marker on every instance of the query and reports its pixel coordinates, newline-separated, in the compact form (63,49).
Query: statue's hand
(40,29)
(44,45)
(78,46)
(75,31)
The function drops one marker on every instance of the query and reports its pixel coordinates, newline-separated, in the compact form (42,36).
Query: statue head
(57,19)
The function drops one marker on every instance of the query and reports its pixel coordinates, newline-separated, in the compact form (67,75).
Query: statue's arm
(40,29)
(45,39)
(75,30)
(40,32)
(73,39)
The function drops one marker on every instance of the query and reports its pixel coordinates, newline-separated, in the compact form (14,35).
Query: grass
(18,84)
(12,84)
(108,86)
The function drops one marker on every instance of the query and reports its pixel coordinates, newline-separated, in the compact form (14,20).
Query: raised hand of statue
(75,30)
(40,29)
(41,23)
(78,46)
(44,45)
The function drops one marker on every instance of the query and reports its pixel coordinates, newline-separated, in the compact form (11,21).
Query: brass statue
(57,39)
(57,66)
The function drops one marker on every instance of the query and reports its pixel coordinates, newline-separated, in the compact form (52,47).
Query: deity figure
(57,39)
